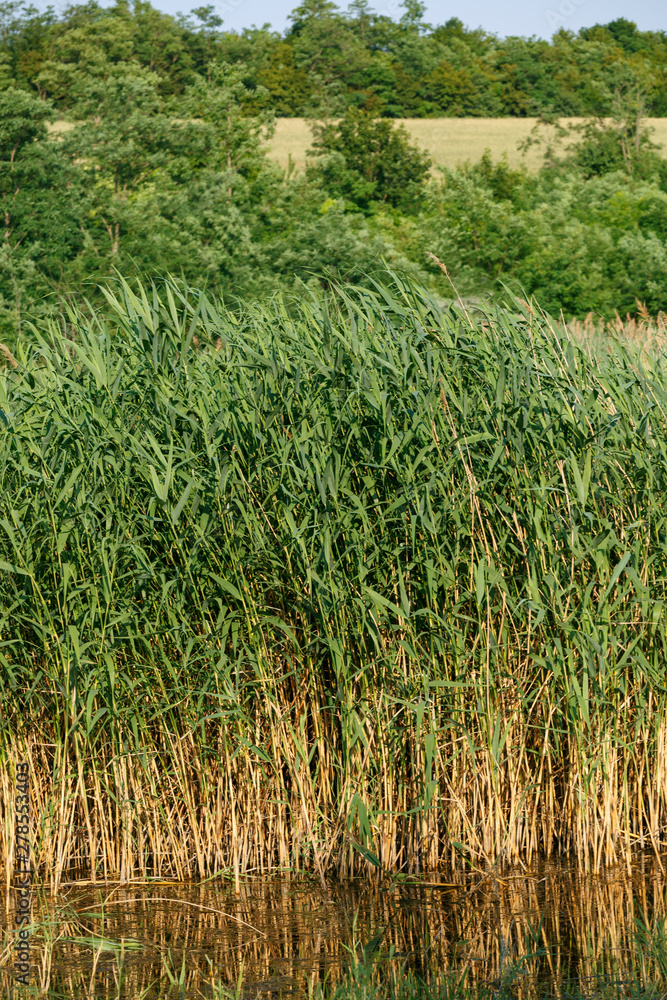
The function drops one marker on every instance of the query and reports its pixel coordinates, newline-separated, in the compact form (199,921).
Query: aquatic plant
(352,583)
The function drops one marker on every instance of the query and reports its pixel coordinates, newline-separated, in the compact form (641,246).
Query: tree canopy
(331,59)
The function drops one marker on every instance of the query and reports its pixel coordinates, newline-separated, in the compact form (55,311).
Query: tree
(24,35)
(39,205)
(89,43)
(413,18)
(619,140)
(452,90)
(364,159)
(288,87)
(221,102)
(329,51)
(208,19)
(127,142)
(93,41)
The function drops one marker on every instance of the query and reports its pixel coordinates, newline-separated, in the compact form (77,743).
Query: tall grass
(644,332)
(358,583)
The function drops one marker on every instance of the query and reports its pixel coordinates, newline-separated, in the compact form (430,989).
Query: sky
(522,17)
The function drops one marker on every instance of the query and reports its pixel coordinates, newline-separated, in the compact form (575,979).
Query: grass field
(450,141)
(355,583)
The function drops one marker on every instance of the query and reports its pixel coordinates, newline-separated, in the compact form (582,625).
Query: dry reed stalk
(8,356)
(645,332)
(494,805)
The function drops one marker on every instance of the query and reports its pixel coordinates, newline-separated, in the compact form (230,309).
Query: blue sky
(540,17)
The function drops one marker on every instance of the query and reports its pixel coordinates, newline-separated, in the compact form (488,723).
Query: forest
(134,142)
(329,60)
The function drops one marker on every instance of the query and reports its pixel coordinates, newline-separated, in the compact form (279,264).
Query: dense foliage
(336,59)
(160,163)
(358,570)
(135,187)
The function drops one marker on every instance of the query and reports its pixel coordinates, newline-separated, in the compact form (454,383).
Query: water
(550,927)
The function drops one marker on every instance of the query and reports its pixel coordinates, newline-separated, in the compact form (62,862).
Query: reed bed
(644,332)
(342,585)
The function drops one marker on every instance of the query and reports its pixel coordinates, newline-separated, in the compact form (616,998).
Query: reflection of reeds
(546,925)
(364,584)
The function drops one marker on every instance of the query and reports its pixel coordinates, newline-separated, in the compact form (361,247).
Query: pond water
(548,926)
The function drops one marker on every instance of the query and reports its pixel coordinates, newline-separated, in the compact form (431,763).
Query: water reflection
(283,935)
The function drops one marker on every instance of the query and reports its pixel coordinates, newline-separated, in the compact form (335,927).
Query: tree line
(119,154)
(330,59)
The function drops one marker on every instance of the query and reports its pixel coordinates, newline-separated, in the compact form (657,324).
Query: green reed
(346,583)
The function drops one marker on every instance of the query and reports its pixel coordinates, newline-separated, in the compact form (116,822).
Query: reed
(643,331)
(6,356)
(338,585)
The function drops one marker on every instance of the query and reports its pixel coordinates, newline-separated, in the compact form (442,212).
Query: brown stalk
(8,356)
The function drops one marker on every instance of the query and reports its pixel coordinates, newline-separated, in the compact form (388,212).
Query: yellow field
(449,140)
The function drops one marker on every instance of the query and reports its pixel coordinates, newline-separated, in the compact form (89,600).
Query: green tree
(288,87)
(40,207)
(128,144)
(619,139)
(452,91)
(328,51)
(89,43)
(203,40)
(213,215)
(223,103)
(364,160)
(24,39)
